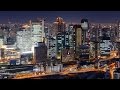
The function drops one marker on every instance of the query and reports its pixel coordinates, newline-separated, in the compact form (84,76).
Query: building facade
(59,28)
(85,31)
(40,53)
(77,39)
(24,40)
(37,31)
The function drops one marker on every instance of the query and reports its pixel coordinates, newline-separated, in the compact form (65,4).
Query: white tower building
(37,29)
(24,40)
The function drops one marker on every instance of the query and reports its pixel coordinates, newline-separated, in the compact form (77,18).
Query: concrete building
(113,37)
(59,45)
(71,33)
(85,31)
(52,47)
(68,45)
(84,52)
(24,43)
(82,40)
(59,28)
(105,47)
(24,40)
(92,50)
(37,31)
(77,39)
(10,52)
(95,36)
(50,41)
(40,53)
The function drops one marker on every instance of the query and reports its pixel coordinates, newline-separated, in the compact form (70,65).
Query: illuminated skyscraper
(71,32)
(59,25)
(77,38)
(106,45)
(85,31)
(37,28)
(24,40)
(50,42)
(52,47)
(59,28)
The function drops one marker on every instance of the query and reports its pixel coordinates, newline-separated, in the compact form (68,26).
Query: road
(66,71)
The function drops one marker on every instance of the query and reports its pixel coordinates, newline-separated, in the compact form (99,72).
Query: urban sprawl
(59,50)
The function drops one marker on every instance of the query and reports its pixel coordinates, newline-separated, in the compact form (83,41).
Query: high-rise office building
(106,45)
(24,40)
(59,45)
(68,53)
(51,42)
(59,25)
(40,54)
(95,35)
(85,31)
(52,47)
(71,33)
(37,31)
(68,49)
(59,28)
(84,52)
(113,37)
(77,39)
(77,36)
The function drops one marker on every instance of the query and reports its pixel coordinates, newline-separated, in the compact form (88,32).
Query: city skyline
(50,48)
(68,16)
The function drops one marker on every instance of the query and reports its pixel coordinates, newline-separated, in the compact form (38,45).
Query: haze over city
(68,16)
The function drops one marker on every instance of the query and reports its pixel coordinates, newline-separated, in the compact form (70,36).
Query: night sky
(68,16)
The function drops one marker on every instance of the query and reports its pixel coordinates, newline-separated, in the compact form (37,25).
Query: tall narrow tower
(85,31)
(59,27)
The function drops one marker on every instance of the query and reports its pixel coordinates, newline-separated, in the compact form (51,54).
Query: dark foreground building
(40,53)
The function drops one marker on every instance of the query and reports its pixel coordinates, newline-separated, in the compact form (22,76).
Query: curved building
(85,31)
